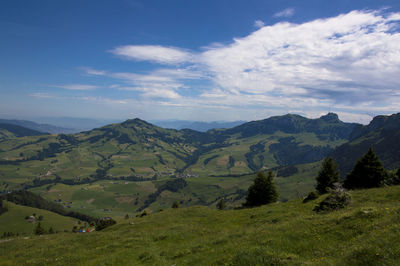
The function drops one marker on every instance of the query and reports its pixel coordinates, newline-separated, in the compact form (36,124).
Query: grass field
(365,233)
(14,220)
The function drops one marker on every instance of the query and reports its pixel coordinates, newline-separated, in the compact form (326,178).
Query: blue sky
(199,60)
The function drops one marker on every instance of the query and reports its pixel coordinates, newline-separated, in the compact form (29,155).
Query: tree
(175,205)
(39,230)
(51,230)
(221,204)
(262,191)
(327,176)
(367,173)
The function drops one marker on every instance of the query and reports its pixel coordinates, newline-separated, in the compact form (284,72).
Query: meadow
(365,233)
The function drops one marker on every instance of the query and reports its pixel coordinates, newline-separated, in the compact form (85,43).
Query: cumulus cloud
(349,64)
(288,12)
(76,87)
(154,53)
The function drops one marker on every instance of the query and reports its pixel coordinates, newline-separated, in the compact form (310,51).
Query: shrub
(311,196)
(262,191)
(337,199)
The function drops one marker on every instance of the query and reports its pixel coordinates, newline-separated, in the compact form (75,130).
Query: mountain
(44,128)
(136,147)
(137,165)
(382,134)
(195,125)
(8,131)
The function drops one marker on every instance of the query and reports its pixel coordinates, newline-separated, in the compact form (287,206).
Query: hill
(137,148)
(44,128)
(129,166)
(14,220)
(382,134)
(10,131)
(364,233)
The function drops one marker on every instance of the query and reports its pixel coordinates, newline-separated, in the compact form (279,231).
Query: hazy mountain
(195,125)
(75,124)
(44,128)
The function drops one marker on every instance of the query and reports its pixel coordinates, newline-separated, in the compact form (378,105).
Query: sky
(209,60)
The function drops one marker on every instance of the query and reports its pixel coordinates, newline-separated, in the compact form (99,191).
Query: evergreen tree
(367,173)
(39,229)
(51,230)
(221,204)
(327,176)
(262,191)
(175,205)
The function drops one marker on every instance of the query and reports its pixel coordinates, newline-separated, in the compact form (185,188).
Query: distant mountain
(10,131)
(382,134)
(195,125)
(44,128)
(75,124)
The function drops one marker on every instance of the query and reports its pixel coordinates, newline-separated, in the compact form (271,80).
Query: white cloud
(259,23)
(101,100)
(42,95)
(348,64)
(288,12)
(77,87)
(154,53)
(94,72)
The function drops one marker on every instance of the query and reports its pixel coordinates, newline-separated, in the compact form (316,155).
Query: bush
(311,196)
(263,191)
(337,199)
(104,223)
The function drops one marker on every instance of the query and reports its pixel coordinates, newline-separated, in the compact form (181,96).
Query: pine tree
(39,229)
(221,204)
(327,176)
(367,173)
(175,205)
(263,191)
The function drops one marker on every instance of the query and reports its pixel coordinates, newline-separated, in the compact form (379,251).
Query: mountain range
(135,163)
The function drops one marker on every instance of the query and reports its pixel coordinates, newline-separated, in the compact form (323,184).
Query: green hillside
(14,220)
(136,150)
(365,233)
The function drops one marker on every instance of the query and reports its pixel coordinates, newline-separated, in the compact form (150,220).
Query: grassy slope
(365,233)
(14,220)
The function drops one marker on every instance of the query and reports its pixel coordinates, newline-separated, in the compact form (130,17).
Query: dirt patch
(124,199)
(223,160)
(89,201)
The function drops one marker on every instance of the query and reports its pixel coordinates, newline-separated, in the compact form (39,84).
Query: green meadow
(365,233)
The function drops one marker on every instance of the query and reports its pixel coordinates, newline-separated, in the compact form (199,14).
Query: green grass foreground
(365,233)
